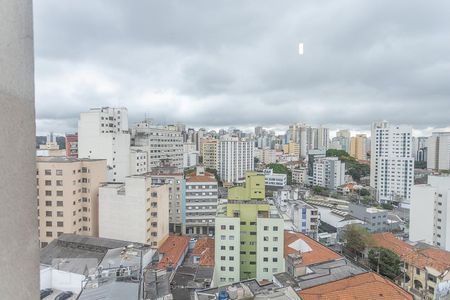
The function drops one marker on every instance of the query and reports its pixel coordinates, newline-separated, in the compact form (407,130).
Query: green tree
(356,238)
(385,262)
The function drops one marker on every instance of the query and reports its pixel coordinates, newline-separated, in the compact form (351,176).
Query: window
(48,234)
(59,193)
(48,182)
(231,237)
(265,269)
(222,258)
(231,258)
(222,268)
(222,248)
(275,259)
(253,262)
(231,247)
(59,214)
(48,193)
(48,223)
(275,239)
(48,172)
(60,224)
(231,227)
(59,172)
(266,249)
(231,269)
(274,270)
(223,227)
(48,203)
(417,271)
(275,249)
(275,228)
(243,223)
(59,182)
(265,259)
(266,239)
(48,213)
(266,228)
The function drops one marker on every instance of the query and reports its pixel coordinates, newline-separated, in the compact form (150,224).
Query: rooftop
(389,241)
(173,249)
(206,178)
(359,287)
(312,251)
(63,159)
(205,249)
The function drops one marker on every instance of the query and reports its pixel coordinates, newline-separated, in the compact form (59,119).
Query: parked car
(64,296)
(45,293)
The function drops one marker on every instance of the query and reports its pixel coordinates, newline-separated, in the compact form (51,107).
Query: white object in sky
(300,49)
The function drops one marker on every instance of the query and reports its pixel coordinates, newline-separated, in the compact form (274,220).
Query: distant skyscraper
(391,163)
(103,134)
(438,148)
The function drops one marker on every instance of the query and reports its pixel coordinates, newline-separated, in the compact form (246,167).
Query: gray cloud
(222,63)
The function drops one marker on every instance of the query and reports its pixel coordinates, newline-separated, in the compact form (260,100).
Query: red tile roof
(366,286)
(388,241)
(205,249)
(318,253)
(208,177)
(173,249)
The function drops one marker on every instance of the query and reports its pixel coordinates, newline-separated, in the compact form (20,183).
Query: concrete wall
(18,219)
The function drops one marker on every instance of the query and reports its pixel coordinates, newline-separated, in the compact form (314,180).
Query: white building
(430,212)
(235,157)
(138,161)
(135,211)
(391,163)
(274,179)
(438,151)
(190,155)
(328,172)
(201,202)
(300,175)
(161,142)
(103,134)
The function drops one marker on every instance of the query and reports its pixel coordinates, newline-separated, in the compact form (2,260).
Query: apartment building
(438,151)
(235,157)
(103,134)
(375,219)
(190,155)
(209,153)
(138,161)
(167,174)
(358,147)
(328,172)
(249,236)
(300,175)
(161,142)
(135,210)
(67,196)
(391,163)
(201,202)
(273,179)
(430,212)
(71,145)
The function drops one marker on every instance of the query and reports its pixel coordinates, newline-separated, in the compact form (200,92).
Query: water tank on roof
(223,295)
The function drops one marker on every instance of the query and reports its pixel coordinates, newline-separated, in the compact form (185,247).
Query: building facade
(273,179)
(391,163)
(235,157)
(358,147)
(72,145)
(438,151)
(135,210)
(430,212)
(209,153)
(328,172)
(201,202)
(68,196)
(103,134)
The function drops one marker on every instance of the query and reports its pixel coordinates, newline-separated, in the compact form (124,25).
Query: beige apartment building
(67,196)
(358,147)
(209,153)
(135,210)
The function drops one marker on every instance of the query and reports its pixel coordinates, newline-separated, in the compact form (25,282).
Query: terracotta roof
(435,258)
(318,253)
(388,241)
(366,286)
(205,249)
(432,257)
(173,249)
(208,177)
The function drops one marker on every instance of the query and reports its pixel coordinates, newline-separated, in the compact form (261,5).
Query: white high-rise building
(438,148)
(103,134)
(235,157)
(391,163)
(430,212)
(328,172)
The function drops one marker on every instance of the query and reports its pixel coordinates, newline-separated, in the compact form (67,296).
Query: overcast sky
(236,63)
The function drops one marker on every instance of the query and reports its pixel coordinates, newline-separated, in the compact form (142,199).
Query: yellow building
(209,153)
(358,147)
(253,188)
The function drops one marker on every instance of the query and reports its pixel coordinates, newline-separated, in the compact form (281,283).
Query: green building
(249,235)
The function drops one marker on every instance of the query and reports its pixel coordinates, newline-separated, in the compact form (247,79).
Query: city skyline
(212,65)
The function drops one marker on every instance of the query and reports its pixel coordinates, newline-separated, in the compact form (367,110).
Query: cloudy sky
(236,63)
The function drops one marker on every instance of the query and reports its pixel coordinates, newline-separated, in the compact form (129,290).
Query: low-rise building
(328,172)
(134,210)
(273,179)
(173,252)
(375,219)
(300,175)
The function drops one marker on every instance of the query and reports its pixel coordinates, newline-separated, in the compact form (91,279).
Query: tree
(356,238)
(385,262)
(353,167)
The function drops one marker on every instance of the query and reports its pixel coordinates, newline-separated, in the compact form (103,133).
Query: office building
(68,196)
(249,235)
(135,210)
(391,163)
(235,157)
(201,202)
(430,212)
(161,142)
(103,134)
(328,172)
(358,147)
(438,151)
